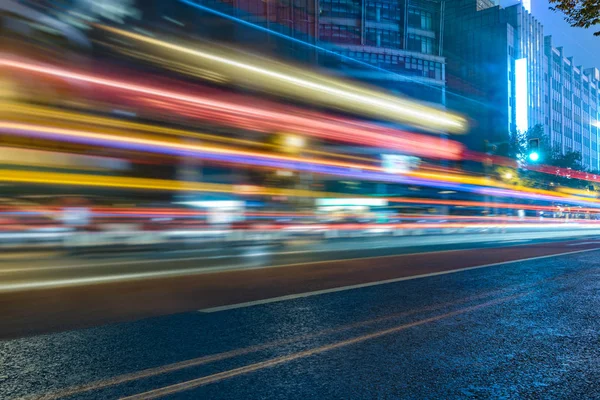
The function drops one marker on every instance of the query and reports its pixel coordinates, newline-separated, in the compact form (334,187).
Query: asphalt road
(43,270)
(61,294)
(522,329)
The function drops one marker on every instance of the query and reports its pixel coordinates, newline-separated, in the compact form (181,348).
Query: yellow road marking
(150,372)
(195,383)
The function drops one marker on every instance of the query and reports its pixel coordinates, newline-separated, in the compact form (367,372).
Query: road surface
(491,328)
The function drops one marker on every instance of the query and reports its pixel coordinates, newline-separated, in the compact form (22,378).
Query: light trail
(360,171)
(440,219)
(464,203)
(158,144)
(323,49)
(319,125)
(366,134)
(298,83)
(357,171)
(184,212)
(545,169)
(75,117)
(121,182)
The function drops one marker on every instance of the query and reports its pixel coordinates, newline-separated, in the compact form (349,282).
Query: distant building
(512,78)
(572,105)
(495,59)
(402,40)
(403,37)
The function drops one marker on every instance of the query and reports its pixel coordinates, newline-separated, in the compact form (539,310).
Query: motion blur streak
(57,178)
(313,87)
(218,154)
(411,143)
(318,125)
(189,385)
(545,169)
(278,161)
(211,153)
(162,145)
(463,203)
(45,112)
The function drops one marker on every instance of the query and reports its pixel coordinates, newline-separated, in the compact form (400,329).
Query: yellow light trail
(144,140)
(484,181)
(128,138)
(122,182)
(298,83)
(80,118)
(371,136)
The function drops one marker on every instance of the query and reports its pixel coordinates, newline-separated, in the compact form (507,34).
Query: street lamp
(508,176)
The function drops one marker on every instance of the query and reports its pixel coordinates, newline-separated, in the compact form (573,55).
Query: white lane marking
(241,256)
(156,261)
(583,243)
(57,283)
(363,285)
(47,284)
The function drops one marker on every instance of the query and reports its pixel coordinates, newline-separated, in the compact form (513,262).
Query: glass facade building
(513,78)
(403,37)
(401,40)
(495,60)
(572,105)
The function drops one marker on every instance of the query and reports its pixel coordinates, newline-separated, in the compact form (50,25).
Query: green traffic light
(534,156)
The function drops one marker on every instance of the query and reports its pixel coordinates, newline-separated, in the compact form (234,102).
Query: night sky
(579,43)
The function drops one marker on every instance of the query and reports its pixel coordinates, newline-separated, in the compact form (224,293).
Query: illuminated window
(522,95)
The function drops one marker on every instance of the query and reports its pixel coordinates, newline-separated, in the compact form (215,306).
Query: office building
(513,78)
(404,38)
(396,45)
(495,60)
(572,105)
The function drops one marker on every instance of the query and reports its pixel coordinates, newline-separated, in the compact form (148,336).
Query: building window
(385,12)
(420,19)
(340,9)
(382,38)
(420,44)
(340,34)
